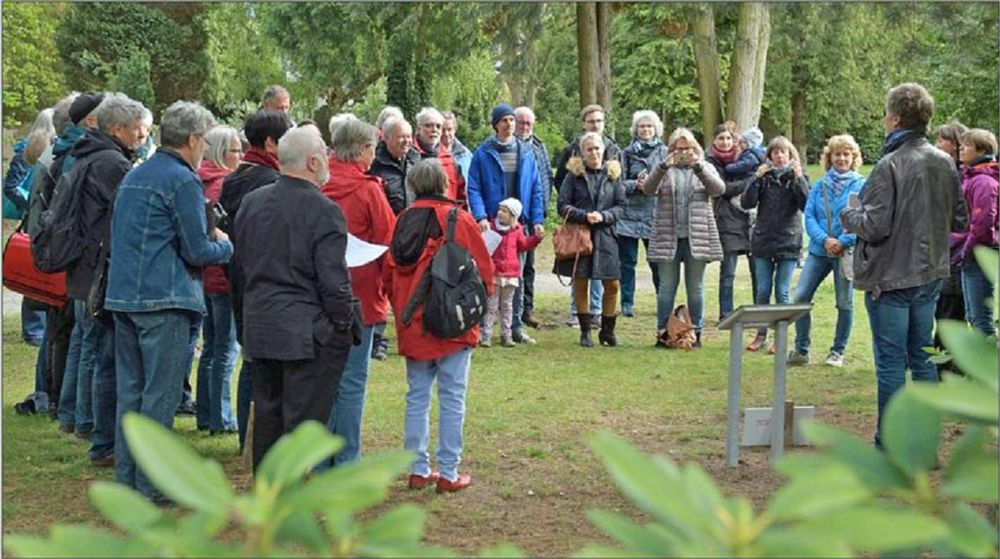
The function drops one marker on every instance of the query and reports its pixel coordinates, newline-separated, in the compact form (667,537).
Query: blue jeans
(105,391)
(349,405)
(628,257)
(694,284)
(596,295)
(978,292)
(187,391)
(215,367)
(151,358)
(776,273)
(244,394)
(452,373)
(32,323)
(68,392)
(727,282)
(902,323)
(813,273)
(41,368)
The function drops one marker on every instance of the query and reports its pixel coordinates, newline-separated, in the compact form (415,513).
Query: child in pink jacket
(507,264)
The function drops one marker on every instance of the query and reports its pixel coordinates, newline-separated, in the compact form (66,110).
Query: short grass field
(530,412)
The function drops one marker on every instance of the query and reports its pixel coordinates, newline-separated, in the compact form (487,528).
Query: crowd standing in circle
(155,228)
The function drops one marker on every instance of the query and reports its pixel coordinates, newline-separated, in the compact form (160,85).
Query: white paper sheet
(360,252)
(492,239)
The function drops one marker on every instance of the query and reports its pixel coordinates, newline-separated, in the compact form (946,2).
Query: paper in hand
(360,252)
(492,239)
(853,201)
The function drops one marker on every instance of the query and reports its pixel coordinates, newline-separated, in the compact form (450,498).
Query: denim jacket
(158,239)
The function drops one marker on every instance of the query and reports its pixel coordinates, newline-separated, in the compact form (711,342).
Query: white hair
(296,147)
(651,116)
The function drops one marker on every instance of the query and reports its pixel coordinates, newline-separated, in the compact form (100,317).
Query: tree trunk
(799,86)
(604,54)
(706,56)
(746,72)
(586,51)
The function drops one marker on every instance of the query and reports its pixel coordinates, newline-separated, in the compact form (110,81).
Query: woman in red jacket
(214,412)
(369,218)
(417,238)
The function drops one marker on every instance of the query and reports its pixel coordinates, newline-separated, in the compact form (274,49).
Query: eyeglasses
(594,121)
(526,122)
(430,125)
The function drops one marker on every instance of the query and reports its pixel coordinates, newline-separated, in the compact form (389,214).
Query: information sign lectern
(758,316)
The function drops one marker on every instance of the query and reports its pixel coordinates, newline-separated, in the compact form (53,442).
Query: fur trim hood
(576,166)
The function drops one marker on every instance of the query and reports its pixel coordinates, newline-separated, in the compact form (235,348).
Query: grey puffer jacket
(911,202)
(703,234)
(640,210)
(579,196)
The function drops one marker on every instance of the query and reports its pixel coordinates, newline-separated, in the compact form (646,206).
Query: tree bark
(706,56)
(746,72)
(799,86)
(604,54)
(586,51)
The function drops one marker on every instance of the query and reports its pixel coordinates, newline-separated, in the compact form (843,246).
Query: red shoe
(756,344)
(463,481)
(420,482)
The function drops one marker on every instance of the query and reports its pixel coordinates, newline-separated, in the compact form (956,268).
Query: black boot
(607,333)
(585,340)
(697,339)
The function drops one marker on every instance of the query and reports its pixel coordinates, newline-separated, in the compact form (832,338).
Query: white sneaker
(572,321)
(835,359)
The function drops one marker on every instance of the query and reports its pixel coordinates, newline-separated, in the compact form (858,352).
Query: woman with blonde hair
(684,231)
(829,244)
(779,192)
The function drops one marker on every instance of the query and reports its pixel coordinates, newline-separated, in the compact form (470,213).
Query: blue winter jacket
(158,238)
(486,186)
(745,165)
(462,157)
(816,213)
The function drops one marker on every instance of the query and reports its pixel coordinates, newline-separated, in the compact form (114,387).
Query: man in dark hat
(504,167)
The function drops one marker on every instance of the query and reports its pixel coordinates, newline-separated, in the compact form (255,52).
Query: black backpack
(451,290)
(58,242)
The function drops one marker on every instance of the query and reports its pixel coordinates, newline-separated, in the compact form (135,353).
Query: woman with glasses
(684,231)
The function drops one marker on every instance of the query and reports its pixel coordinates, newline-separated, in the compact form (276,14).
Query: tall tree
(603,21)
(749,62)
(706,56)
(32,71)
(587,51)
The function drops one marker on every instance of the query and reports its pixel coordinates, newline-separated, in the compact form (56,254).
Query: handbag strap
(826,208)
(572,274)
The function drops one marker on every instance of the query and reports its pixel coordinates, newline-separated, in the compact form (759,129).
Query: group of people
(241,236)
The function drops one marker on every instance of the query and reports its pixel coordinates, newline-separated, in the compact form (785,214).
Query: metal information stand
(758,316)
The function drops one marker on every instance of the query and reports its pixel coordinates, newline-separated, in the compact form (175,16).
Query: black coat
(578,198)
(291,243)
(393,174)
(101,164)
(779,201)
(611,153)
(732,223)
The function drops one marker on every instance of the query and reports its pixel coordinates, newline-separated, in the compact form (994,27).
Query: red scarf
(724,157)
(260,156)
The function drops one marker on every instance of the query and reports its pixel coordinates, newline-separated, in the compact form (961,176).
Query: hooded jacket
(393,175)
(611,152)
(370,219)
(637,219)
(506,262)
(416,240)
(487,186)
(587,190)
(211,176)
(979,186)
(463,158)
(101,164)
(779,199)
(456,181)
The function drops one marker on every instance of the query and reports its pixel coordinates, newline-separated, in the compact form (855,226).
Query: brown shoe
(420,482)
(529,319)
(104,462)
(68,429)
(463,481)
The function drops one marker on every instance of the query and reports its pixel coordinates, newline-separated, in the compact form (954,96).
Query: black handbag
(99,287)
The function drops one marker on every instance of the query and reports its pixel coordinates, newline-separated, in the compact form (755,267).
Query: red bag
(21,275)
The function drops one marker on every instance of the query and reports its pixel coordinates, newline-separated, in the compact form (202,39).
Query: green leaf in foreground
(911,433)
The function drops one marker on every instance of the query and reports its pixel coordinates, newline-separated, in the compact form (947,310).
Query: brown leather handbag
(680,330)
(572,240)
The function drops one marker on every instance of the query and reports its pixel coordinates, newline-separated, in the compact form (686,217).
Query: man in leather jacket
(910,204)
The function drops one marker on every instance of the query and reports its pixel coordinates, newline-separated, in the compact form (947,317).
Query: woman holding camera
(684,231)
(214,412)
(592,193)
(779,192)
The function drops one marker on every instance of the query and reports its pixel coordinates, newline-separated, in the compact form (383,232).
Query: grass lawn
(530,412)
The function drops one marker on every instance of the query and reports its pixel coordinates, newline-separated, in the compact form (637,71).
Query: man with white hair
(524,128)
(427,142)
(158,235)
(298,315)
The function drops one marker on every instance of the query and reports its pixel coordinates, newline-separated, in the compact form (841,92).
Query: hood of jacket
(383,157)
(989,168)
(576,166)
(94,141)
(69,137)
(346,179)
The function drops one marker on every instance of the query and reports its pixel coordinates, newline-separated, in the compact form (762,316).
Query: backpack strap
(452,221)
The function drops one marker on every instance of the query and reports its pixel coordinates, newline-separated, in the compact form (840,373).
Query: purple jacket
(979,184)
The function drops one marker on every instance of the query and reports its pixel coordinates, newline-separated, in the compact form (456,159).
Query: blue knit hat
(500,111)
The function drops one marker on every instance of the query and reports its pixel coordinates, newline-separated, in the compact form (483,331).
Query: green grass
(530,412)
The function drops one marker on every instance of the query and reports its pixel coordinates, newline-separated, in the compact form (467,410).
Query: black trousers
(58,328)
(528,282)
(950,306)
(286,393)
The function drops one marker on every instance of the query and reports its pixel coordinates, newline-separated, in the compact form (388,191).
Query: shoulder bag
(847,258)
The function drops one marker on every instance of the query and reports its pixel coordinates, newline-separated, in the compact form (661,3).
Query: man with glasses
(592,117)
(524,120)
(427,142)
